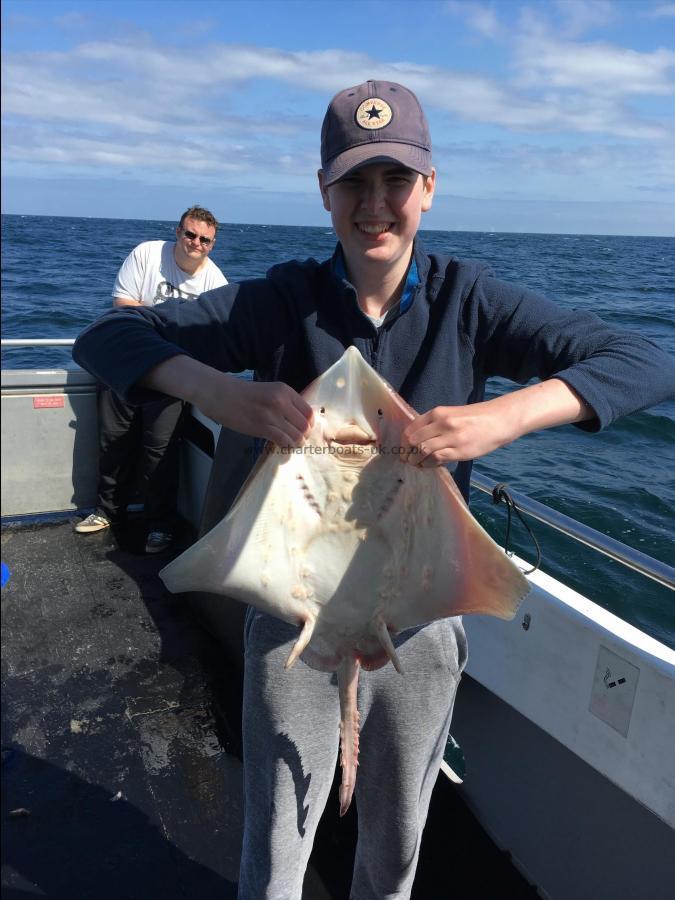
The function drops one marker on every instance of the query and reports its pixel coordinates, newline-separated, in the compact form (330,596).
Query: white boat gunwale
(564,642)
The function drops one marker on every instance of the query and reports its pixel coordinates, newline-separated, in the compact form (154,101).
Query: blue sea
(58,272)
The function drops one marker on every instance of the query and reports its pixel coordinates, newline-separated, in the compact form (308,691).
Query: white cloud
(44,146)
(78,151)
(594,68)
(665,10)
(580,16)
(73,20)
(544,56)
(132,107)
(148,89)
(481,17)
(61,88)
(585,171)
(44,90)
(573,17)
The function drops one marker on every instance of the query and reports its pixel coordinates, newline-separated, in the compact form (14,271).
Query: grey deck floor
(120,778)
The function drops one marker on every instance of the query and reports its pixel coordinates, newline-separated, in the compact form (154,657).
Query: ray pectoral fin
(452,567)
(302,641)
(496,586)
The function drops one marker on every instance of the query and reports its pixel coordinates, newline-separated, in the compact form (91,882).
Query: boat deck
(121,778)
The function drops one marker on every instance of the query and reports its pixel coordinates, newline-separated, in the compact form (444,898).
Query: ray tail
(348,679)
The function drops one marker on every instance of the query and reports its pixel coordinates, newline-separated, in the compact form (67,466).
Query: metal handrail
(37,342)
(640,562)
(646,565)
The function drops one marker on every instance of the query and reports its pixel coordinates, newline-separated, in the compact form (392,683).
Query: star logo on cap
(373,113)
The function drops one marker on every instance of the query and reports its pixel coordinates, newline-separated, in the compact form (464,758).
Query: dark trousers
(137,440)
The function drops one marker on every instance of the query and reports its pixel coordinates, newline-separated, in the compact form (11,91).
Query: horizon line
(325,227)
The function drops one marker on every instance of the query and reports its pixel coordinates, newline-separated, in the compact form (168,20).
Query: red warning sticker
(50,401)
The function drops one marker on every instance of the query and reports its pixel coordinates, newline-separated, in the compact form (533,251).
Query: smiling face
(191,253)
(376,213)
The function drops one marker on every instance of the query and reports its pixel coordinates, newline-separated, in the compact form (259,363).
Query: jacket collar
(417,273)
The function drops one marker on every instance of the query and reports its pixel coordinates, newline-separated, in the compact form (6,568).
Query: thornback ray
(345,539)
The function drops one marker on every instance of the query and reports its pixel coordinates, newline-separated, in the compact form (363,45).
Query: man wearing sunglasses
(153,272)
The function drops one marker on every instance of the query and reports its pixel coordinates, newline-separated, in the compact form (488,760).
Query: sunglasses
(191,236)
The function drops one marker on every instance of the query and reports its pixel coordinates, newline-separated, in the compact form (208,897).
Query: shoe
(158,541)
(93,522)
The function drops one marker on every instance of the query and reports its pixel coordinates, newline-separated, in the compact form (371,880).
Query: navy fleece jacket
(462,327)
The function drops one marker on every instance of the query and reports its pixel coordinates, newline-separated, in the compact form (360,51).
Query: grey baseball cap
(377,121)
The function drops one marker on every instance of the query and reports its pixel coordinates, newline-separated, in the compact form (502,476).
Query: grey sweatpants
(291,737)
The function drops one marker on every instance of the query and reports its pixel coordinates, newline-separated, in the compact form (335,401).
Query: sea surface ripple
(57,276)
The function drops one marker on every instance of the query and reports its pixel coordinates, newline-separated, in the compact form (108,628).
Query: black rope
(500,494)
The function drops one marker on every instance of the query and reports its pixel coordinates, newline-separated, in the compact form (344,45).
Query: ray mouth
(351,433)
(356,449)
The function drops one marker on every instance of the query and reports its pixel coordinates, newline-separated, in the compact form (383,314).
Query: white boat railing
(627,556)
(584,534)
(37,342)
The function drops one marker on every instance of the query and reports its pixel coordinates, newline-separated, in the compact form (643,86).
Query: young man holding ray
(435,328)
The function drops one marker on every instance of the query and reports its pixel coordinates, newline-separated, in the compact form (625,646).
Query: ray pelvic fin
(387,644)
(302,641)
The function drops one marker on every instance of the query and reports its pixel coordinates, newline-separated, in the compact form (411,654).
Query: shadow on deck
(120,777)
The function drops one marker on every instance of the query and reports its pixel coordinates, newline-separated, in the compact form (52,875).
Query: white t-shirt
(150,274)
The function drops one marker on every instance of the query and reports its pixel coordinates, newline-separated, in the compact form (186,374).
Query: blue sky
(546,116)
